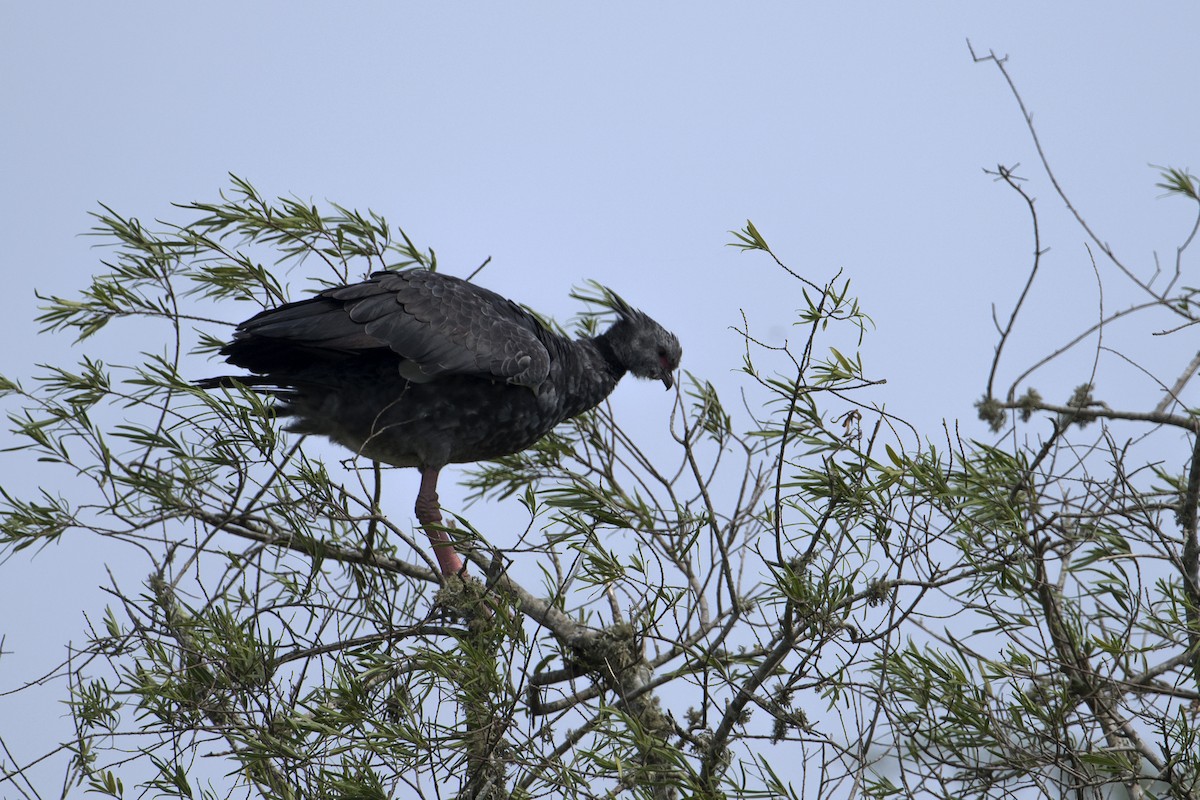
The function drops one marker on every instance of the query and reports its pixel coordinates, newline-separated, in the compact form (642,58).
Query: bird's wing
(438,325)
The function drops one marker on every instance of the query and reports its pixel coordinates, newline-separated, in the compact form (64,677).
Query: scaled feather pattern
(419,369)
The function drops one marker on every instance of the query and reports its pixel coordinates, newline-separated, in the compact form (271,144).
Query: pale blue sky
(620,142)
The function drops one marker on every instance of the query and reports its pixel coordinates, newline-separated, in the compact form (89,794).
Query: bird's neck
(588,375)
(608,355)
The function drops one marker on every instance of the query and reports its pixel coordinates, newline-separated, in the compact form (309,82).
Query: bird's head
(640,344)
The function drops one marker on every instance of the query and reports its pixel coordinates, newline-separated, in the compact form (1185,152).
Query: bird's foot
(465,597)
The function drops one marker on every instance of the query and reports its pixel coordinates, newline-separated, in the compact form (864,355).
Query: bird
(417,368)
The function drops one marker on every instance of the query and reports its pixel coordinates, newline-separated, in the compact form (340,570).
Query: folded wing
(436,324)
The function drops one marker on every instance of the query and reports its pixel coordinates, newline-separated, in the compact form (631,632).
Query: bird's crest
(597,294)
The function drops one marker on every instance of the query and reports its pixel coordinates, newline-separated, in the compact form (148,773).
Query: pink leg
(429,514)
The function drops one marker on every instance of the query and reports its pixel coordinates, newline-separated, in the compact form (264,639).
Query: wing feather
(437,324)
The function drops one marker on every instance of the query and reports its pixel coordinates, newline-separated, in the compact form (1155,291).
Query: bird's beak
(668,380)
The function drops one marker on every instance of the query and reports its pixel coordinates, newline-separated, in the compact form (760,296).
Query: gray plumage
(421,369)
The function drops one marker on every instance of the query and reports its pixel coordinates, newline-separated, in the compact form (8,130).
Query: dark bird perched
(420,369)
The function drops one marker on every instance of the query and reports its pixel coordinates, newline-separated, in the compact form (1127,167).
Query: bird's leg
(429,514)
